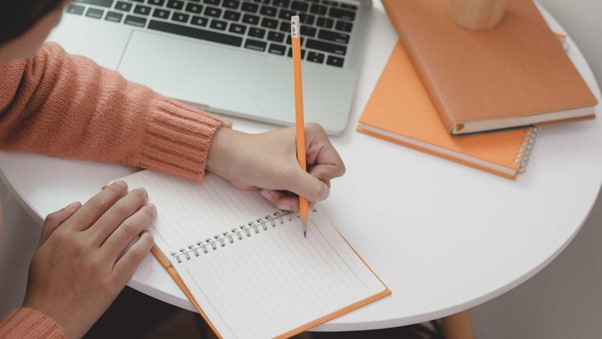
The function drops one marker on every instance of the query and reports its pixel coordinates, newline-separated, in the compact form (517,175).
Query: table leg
(458,326)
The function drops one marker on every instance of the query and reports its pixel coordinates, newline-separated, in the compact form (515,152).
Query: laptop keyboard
(262,26)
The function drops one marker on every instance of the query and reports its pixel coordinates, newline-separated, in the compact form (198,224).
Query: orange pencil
(299,120)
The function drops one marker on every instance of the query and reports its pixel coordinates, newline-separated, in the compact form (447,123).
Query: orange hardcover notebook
(400,110)
(515,74)
(245,266)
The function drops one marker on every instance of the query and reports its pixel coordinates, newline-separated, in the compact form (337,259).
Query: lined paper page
(188,212)
(272,280)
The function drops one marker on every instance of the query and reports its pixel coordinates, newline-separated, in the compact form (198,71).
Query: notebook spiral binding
(235,234)
(526,146)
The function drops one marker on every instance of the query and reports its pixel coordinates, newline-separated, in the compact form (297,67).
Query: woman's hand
(268,162)
(86,256)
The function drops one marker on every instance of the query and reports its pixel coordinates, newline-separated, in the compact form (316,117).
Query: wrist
(223,152)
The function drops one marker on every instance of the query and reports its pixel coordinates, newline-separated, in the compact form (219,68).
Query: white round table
(442,236)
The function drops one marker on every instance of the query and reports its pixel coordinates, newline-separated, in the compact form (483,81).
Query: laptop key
(100,3)
(250,19)
(276,36)
(269,23)
(256,32)
(277,49)
(307,19)
(268,11)
(194,8)
(315,57)
(325,22)
(156,2)
(212,2)
(196,33)
(334,61)
(135,21)
(75,9)
(300,6)
(199,21)
(285,26)
(281,3)
(143,10)
(231,15)
(249,7)
(255,45)
(218,24)
(123,6)
(308,31)
(161,13)
(285,14)
(349,6)
(326,47)
(213,12)
(113,16)
(231,4)
(238,29)
(344,26)
(175,4)
(332,36)
(318,9)
(341,14)
(180,17)
(95,13)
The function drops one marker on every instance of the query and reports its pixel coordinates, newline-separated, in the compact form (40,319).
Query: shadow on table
(136,315)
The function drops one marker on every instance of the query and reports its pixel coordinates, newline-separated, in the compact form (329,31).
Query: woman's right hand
(86,256)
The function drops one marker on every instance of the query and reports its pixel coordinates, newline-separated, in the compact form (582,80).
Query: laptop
(229,57)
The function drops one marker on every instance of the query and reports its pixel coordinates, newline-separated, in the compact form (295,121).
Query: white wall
(564,300)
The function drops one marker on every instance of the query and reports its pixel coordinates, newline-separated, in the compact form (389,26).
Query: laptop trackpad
(194,71)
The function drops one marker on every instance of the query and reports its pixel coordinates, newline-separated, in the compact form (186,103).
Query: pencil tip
(305,234)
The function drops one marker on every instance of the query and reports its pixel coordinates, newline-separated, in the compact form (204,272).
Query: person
(67,106)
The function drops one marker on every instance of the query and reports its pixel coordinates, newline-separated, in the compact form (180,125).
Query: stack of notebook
(443,80)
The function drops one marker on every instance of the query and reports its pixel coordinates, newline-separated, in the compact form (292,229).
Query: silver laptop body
(228,56)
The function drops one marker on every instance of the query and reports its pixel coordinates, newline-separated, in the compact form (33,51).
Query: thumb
(56,219)
(309,187)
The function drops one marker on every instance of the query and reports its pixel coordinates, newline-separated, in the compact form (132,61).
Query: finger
(306,185)
(94,208)
(132,227)
(116,214)
(321,154)
(126,265)
(56,219)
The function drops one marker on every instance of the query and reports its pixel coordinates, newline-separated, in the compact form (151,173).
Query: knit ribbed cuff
(29,323)
(177,140)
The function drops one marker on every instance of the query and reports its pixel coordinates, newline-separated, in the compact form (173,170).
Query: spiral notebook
(401,111)
(245,266)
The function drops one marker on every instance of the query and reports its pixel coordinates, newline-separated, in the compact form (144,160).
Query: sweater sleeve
(29,323)
(69,107)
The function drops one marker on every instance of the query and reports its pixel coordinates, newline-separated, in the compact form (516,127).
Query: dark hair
(17,16)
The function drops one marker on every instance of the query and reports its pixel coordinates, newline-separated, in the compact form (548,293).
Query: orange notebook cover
(400,110)
(515,74)
(246,266)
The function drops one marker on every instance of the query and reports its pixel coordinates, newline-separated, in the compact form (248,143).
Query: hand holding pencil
(299,160)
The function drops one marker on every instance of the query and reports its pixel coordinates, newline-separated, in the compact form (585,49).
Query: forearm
(69,107)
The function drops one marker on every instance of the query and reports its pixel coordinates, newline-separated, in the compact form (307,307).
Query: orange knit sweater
(69,107)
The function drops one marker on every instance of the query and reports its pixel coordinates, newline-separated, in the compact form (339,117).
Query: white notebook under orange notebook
(246,266)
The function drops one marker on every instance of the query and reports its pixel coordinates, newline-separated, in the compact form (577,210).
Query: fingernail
(326,193)
(121,184)
(266,194)
(285,207)
(71,206)
(153,209)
